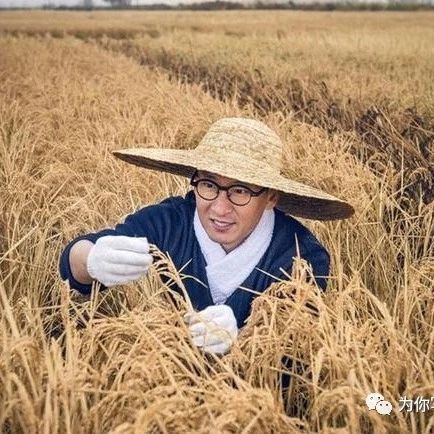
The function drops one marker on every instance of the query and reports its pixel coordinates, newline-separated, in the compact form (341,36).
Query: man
(229,234)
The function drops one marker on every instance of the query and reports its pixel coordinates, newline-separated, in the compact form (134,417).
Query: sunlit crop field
(351,95)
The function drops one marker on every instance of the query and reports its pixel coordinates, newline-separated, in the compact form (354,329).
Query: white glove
(116,260)
(214,328)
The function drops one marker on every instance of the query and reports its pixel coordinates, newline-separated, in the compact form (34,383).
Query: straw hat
(248,151)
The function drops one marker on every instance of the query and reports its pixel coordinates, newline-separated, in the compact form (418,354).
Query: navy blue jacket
(169,225)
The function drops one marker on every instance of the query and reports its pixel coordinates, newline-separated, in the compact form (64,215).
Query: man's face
(226,223)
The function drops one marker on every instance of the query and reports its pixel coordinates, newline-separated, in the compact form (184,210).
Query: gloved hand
(214,328)
(116,260)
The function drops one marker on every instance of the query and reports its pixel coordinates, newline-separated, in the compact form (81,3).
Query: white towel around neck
(227,271)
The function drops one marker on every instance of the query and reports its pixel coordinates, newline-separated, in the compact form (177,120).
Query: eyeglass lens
(237,195)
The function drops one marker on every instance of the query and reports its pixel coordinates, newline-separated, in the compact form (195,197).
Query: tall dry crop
(122,361)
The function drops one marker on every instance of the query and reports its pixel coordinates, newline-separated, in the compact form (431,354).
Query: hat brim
(296,198)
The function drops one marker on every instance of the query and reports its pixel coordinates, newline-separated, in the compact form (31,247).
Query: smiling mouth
(221,224)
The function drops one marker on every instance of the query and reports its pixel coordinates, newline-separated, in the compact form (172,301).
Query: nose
(221,205)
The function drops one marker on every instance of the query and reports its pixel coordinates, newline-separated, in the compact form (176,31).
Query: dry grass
(361,56)
(122,361)
(355,72)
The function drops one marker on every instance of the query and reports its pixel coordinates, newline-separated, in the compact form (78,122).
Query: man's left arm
(319,259)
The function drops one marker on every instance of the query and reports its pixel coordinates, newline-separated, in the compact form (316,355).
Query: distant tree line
(290,5)
(209,5)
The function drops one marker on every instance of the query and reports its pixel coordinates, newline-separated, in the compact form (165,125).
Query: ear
(273,198)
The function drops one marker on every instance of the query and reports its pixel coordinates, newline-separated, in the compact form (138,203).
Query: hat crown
(248,139)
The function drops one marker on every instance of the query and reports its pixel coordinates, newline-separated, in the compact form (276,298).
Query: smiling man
(223,222)
(230,234)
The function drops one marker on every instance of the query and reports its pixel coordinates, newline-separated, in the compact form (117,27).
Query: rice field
(351,95)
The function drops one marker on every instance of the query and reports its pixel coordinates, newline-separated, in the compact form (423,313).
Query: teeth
(221,223)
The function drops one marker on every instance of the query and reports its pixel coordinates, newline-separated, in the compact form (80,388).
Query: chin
(221,239)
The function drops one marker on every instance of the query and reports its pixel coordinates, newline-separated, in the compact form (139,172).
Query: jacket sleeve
(318,257)
(152,222)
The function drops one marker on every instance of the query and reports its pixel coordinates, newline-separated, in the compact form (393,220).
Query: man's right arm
(78,261)
(152,222)
(73,264)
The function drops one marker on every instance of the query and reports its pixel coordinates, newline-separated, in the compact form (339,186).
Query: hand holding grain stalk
(214,328)
(117,260)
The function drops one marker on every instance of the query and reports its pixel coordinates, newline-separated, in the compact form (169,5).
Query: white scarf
(227,271)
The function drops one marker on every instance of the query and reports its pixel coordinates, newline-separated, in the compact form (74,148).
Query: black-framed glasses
(238,194)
